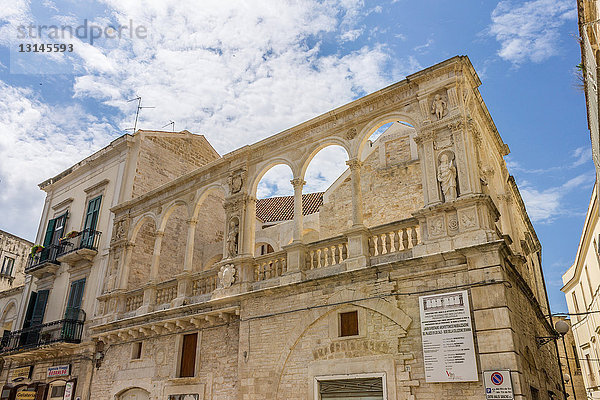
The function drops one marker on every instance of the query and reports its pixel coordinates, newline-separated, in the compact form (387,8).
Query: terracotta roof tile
(281,208)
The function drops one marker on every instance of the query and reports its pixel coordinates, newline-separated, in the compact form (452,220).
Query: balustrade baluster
(396,241)
(413,234)
(388,243)
(404,239)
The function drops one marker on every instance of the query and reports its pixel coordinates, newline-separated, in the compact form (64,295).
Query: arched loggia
(143,240)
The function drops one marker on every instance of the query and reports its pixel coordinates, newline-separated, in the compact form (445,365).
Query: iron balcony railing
(67,330)
(86,239)
(46,255)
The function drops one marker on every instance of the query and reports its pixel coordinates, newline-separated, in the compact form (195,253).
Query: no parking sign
(498,385)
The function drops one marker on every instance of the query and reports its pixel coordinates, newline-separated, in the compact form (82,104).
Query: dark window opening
(136,352)
(188,356)
(349,323)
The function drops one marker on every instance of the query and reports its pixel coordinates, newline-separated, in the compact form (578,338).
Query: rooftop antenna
(137,112)
(172,123)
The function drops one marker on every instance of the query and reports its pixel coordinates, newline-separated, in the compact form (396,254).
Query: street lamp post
(562,328)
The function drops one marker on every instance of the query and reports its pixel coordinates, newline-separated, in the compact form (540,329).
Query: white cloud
(545,205)
(530,31)
(37,142)
(236,74)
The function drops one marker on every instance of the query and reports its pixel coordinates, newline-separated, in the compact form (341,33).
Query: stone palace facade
(418,273)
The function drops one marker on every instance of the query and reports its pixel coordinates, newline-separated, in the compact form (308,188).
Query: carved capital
(192,222)
(159,234)
(354,164)
(298,183)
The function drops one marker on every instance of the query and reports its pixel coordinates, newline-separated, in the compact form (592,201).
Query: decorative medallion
(227,275)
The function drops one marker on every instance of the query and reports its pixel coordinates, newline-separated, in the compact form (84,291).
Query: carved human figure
(232,237)
(438,107)
(447,177)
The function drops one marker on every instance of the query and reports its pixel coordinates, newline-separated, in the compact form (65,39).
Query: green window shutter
(49,232)
(75,296)
(40,307)
(91,217)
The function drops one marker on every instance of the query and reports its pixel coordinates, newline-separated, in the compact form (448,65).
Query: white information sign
(68,391)
(498,385)
(447,335)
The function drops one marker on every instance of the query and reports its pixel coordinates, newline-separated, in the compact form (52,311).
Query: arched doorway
(134,394)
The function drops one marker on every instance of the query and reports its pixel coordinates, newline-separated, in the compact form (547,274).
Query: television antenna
(172,123)
(137,112)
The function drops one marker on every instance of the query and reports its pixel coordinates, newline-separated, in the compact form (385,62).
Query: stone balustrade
(189,288)
(166,292)
(134,300)
(204,284)
(393,238)
(270,265)
(327,252)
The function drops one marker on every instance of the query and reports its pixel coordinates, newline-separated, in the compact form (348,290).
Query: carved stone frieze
(435,226)
(467,218)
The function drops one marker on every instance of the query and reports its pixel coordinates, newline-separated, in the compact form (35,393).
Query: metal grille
(359,387)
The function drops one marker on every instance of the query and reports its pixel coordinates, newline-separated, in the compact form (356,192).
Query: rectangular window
(576,357)
(349,323)
(358,388)
(75,295)
(136,351)
(91,220)
(188,355)
(7,266)
(55,230)
(589,281)
(57,392)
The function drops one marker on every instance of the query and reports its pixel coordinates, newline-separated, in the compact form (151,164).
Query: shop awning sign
(498,385)
(18,374)
(25,395)
(59,370)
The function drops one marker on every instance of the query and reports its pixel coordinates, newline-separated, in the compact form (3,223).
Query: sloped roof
(281,208)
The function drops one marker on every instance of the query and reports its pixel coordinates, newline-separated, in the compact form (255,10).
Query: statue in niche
(447,176)
(438,107)
(233,236)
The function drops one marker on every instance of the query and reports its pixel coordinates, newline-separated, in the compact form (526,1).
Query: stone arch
(367,130)
(140,221)
(263,168)
(332,141)
(164,218)
(143,240)
(9,315)
(133,393)
(206,235)
(337,300)
(202,195)
(173,241)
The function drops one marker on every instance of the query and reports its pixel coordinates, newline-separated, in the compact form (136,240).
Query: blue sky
(241,71)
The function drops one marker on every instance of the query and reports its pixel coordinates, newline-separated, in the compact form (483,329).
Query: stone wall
(141,257)
(172,250)
(17,248)
(156,370)
(391,187)
(162,158)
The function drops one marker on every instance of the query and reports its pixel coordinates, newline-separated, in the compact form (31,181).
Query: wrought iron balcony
(81,247)
(43,258)
(67,330)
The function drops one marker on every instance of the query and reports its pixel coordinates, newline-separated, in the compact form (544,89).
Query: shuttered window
(355,389)
(188,355)
(349,323)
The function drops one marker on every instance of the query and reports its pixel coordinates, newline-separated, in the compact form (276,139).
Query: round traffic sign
(497,378)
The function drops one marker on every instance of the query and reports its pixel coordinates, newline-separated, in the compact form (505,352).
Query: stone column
(247,227)
(189,246)
(298,183)
(431,191)
(125,264)
(156,255)
(357,202)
